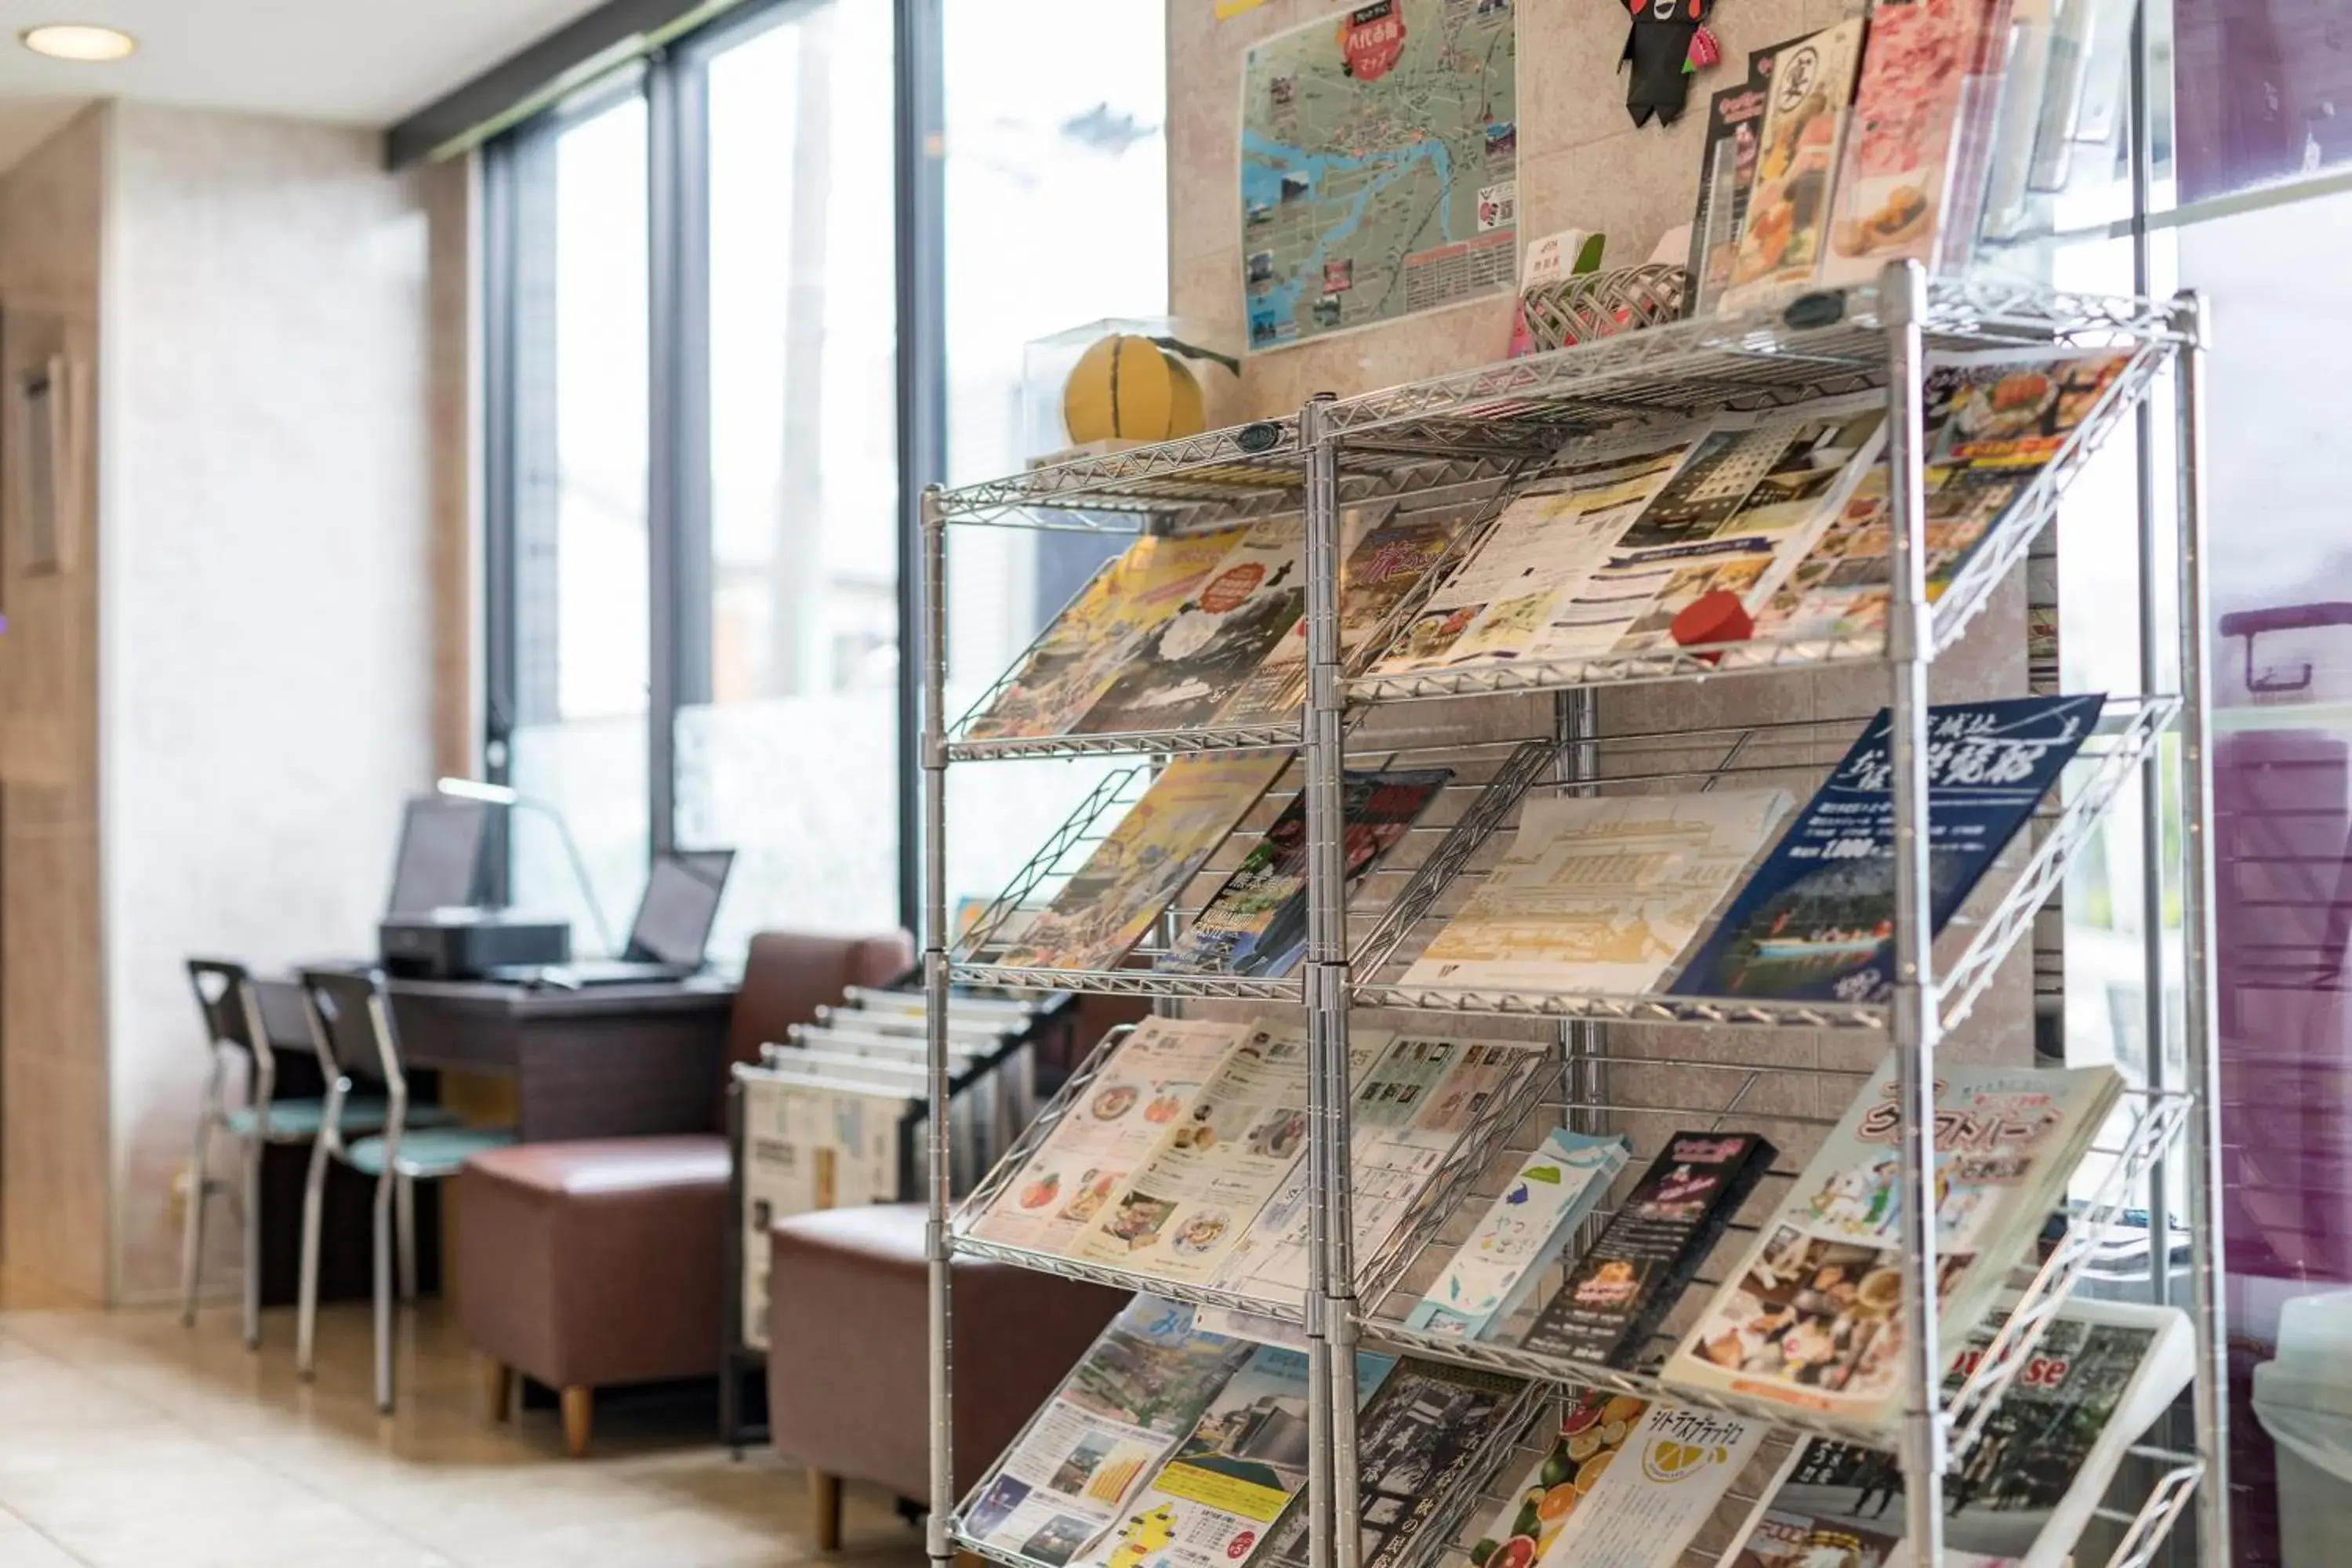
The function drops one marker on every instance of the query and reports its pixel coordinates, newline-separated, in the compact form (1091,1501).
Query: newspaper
(804,1149)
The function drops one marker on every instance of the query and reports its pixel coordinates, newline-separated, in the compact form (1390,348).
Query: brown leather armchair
(604,1261)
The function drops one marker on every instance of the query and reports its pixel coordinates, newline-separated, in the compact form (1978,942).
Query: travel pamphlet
(1384,566)
(1158,846)
(2102,1375)
(1726,176)
(1530,1224)
(1145,1091)
(1090,643)
(1181,671)
(1994,421)
(1255,925)
(1816,922)
(1417,1446)
(1216,1499)
(1601,893)
(1183,1208)
(1913,184)
(1623,1483)
(1813,1316)
(1617,1293)
(1781,238)
(1140,1389)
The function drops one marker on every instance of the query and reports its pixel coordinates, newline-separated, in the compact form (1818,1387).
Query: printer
(433,926)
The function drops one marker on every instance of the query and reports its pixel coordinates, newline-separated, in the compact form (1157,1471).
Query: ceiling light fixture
(79,41)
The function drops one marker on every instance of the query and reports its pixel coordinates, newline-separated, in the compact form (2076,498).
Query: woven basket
(1597,304)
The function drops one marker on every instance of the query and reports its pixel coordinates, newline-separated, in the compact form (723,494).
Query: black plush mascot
(1668,41)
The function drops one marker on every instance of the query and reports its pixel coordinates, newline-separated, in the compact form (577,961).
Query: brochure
(1145,1090)
(1529,1225)
(1383,567)
(1930,78)
(1727,175)
(1816,921)
(1183,670)
(1993,421)
(2102,1374)
(1095,636)
(1812,1317)
(1183,1208)
(1601,893)
(1257,923)
(1627,1483)
(1782,240)
(1617,1294)
(1158,846)
(1417,1444)
(1140,1388)
(1215,1500)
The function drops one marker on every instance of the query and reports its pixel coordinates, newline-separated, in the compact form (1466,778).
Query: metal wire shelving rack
(1465,443)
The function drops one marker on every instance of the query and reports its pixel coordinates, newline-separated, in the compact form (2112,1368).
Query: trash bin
(2304,1400)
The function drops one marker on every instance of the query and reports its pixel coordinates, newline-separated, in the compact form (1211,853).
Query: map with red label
(1379,166)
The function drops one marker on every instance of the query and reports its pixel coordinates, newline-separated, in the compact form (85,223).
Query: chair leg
(252,1227)
(306,1321)
(498,1390)
(579,1419)
(404,1218)
(824,1509)
(382,1273)
(192,1239)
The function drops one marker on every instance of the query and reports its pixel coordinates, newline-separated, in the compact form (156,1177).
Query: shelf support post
(1902,303)
(2201,1051)
(1331,1269)
(938,1540)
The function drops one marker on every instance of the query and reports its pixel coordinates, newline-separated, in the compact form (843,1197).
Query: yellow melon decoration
(1129,388)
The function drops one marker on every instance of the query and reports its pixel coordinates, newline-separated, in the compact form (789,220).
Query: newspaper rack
(1472,437)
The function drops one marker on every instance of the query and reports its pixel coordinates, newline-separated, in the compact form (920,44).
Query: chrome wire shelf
(2144,1532)
(1964,1410)
(1275,734)
(1132,983)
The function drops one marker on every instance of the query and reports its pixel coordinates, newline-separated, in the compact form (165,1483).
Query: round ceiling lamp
(79,41)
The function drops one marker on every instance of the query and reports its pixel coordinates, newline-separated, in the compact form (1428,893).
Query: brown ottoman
(848,1364)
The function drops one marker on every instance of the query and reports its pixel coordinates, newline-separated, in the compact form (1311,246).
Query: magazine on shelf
(806,1148)
(1530,1224)
(1409,1110)
(1090,643)
(1158,846)
(1255,924)
(1215,1500)
(1145,1091)
(2023,1494)
(1616,1294)
(1181,1211)
(1183,669)
(1384,565)
(1781,238)
(1993,422)
(1727,175)
(1816,921)
(1417,1446)
(1622,1483)
(1812,1315)
(1601,893)
(1913,184)
(1549,538)
(1067,1479)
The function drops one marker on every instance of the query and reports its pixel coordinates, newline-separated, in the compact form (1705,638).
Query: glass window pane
(786,738)
(581,567)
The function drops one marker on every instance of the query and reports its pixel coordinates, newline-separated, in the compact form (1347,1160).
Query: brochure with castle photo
(2019,1498)
(1814,1316)
(1600,894)
(1158,846)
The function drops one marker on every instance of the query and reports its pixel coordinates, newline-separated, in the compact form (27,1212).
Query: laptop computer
(667,938)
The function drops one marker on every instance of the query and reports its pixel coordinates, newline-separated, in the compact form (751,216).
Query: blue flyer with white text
(1816,921)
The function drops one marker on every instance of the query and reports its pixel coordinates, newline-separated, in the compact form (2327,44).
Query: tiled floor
(127,1441)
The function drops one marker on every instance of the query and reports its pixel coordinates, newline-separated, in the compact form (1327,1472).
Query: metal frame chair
(351,1024)
(233,1024)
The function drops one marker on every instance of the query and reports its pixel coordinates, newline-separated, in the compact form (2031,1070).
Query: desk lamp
(499,794)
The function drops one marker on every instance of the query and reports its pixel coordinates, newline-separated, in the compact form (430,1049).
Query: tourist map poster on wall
(1379,166)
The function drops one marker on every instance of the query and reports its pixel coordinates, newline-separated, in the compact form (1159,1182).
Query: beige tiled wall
(53,1039)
